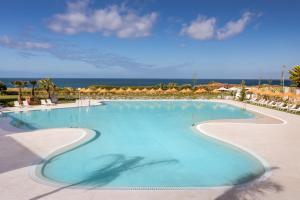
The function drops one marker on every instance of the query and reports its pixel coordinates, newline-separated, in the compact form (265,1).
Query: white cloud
(201,28)
(205,28)
(122,22)
(233,28)
(8,42)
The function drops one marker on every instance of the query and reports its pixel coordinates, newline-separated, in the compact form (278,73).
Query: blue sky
(149,38)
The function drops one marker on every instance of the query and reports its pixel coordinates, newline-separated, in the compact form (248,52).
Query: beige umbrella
(152,91)
(186,90)
(137,90)
(216,91)
(159,90)
(278,94)
(145,90)
(174,90)
(290,95)
(200,90)
(171,91)
(102,91)
(252,90)
(121,91)
(114,90)
(129,90)
(84,90)
(168,91)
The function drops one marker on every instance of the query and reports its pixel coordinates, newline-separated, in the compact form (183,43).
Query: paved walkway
(274,136)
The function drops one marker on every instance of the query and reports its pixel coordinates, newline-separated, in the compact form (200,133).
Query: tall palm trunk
(49,94)
(32,91)
(20,95)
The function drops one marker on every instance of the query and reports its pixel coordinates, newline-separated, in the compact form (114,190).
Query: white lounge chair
(294,106)
(43,102)
(295,110)
(252,100)
(26,104)
(262,102)
(49,102)
(283,106)
(270,103)
(265,103)
(17,104)
(259,101)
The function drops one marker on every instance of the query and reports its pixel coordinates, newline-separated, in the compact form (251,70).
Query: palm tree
(295,75)
(172,85)
(20,85)
(243,91)
(48,85)
(33,84)
(2,87)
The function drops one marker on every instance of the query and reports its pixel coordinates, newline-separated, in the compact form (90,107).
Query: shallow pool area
(145,144)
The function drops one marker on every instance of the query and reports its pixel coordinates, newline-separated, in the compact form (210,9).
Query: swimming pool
(145,144)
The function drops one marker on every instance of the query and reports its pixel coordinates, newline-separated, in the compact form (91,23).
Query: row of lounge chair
(44,102)
(276,105)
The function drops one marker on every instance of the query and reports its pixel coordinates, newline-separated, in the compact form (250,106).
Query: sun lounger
(252,100)
(275,105)
(270,104)
(49,102)
(294,106)
(262,102)
(265,103)
(259,102)
(43,102)
(283,107)
(17,104)
(295,110)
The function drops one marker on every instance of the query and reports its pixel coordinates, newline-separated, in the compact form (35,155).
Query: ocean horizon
(85,82)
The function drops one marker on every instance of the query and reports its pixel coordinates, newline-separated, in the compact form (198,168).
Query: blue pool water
(146,144)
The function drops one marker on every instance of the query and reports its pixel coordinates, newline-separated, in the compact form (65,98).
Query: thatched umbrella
(145,90)
(129,90)
(278,94)
(215,91)
(174,90)
(159,90)
(121,91)
(152,91)
(114,90)
(99,90)
(290,95)
(268,93)
(168,91)
(84,90)
(252,90)
(186,90)
(103,91)
(200,90)
(137,90)
(171,91)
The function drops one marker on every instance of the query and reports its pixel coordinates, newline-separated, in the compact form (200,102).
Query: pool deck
(273,136)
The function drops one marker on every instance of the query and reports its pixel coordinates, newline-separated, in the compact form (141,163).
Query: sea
(84,82)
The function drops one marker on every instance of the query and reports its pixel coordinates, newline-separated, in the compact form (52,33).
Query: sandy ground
(274,136)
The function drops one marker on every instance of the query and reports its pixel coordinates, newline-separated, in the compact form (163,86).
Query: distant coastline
(84,82)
